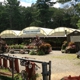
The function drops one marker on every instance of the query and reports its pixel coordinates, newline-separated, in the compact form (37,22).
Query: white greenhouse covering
(9,34)
(47,30)
(60,32)
(33,31)
(37,31)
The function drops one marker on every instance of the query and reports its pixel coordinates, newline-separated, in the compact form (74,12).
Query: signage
(31,31)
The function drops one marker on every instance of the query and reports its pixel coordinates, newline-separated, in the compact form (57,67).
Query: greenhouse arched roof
(9,34)
(60,32)
(32,32)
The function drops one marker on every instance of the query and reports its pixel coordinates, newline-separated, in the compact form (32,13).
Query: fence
(28,63)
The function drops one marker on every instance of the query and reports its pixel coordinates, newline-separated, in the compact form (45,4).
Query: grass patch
(4,75)
(66,56)
(4,70)
(10,78)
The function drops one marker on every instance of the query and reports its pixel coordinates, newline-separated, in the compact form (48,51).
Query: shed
(74,37)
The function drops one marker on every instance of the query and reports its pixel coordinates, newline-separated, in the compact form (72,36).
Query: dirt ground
(62,64)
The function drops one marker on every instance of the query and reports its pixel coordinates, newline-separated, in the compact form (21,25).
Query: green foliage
(32,52)
(40,14)
(64,45)
(17,77)
(21,46)
(16,46)
(40,52)
(14,16)
(78,24)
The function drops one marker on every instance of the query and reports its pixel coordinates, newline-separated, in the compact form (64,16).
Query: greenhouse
(9,34)
(60,32)
(33,31)
(53,36)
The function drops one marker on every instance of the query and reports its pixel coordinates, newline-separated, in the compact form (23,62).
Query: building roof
(33,31)
(9,34)
(60,32)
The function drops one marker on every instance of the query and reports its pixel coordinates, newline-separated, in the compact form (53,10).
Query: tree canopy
(42,14)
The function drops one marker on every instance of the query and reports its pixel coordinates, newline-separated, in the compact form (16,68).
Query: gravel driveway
(61,64)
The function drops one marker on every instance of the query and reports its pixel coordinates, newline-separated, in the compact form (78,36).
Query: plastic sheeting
(32,32)
(9,34)
(60,32)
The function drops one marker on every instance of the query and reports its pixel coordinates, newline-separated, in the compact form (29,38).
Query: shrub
(71,43)
(64,45)
(32,52)
(40,52)
(46,48)
(21,46)
(11,46)
(16,46)
(71,48)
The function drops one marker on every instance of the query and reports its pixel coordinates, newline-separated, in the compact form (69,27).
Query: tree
(14,14)
(42,14)
(26,16)
(78,13)
(3,18)
(39,14)
(72,12)
(71,15)
(78,24)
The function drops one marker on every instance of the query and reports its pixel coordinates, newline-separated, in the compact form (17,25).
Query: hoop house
(9,34)
(60,32)
(32,32)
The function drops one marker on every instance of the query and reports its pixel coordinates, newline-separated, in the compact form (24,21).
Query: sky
(57,5)
(27,3)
